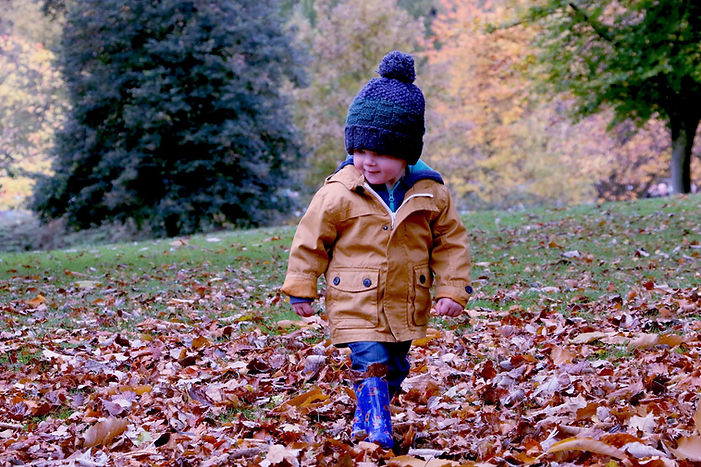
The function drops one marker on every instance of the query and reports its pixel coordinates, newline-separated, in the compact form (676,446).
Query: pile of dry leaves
(524,386)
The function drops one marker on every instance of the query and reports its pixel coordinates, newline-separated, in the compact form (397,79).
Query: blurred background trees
(190,115)
(178,122)
(346,40)
(642,59)
(32,101)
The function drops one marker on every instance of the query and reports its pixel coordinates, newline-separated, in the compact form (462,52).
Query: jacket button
(367,282)
(336,280)
(468,289)
(422,279)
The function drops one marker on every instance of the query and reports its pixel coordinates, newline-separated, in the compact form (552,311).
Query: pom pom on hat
(399,66)
(387,115)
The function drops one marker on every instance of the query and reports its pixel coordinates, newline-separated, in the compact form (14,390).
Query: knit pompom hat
(387,115)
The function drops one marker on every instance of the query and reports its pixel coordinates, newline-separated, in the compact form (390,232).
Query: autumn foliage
(501,142)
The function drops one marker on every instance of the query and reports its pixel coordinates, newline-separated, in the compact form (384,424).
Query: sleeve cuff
(294,300)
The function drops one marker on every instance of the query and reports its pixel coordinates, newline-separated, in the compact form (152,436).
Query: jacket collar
(419,171)
(349,176)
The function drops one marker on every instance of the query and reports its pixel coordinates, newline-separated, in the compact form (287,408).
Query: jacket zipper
(393,214)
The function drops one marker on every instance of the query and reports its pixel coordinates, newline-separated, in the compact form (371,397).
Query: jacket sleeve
(309,253)
(450,257)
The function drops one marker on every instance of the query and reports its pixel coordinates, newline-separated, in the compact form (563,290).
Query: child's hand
(303,309)
(447,307)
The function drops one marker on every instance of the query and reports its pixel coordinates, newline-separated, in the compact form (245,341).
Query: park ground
(580,346)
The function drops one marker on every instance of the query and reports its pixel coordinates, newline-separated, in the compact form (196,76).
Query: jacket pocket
(422,295)
(351,297)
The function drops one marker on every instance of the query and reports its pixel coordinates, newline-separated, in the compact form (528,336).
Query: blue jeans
(391,354)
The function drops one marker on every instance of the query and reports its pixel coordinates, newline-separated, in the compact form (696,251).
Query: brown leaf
(560,355)
(644,341)
(587,337)
(588,445)
(308,398)
(671,340)
(619,439)
(411,461)
(105,431)
(278,453)
(689,448)
(488,371)
(200,342)
(36,301)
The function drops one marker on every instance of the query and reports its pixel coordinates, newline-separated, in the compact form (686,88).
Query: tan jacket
(379,265)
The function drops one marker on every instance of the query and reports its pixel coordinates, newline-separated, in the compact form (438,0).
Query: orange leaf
(200,342)
(588,445)
(560,355)
(142,389)
(308,398)
(105,431)
(643,341)
(411,461)
(689,448)
(36,301)
(619,439)
(671,340)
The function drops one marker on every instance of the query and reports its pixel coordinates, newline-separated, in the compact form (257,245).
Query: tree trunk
(683,132)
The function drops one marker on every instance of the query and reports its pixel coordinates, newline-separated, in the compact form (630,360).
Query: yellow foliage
(32,107)
(497,142)
(346,44)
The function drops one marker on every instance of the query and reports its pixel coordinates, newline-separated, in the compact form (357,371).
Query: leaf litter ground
(568,355)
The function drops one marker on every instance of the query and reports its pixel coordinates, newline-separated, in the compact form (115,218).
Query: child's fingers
(304,310)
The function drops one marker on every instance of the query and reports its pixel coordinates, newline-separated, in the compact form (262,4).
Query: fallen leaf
(644,341)
(200,342)
(278,453)
(588,445)
(641,451)
(105,431)
(645,424)
(560,355)
(411,461)
(671,340)
(587,337)
(36,301)
(308,398)
(688,448)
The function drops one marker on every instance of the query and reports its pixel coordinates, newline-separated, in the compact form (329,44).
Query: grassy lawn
(584,321)
(559,257)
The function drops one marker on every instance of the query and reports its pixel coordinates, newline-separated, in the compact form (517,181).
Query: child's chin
(375,180)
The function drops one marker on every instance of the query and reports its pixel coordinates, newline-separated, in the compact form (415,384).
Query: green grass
(618,245)
(521,261)
(15,360)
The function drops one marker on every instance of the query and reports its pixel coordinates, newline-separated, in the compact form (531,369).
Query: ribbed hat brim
(384,141)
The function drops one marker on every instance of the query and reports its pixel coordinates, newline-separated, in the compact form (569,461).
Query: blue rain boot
(358,432)
(373,401)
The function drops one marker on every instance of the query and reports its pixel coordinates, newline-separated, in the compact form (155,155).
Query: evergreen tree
(177,121)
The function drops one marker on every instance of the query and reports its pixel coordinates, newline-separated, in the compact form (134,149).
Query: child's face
(378,168)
